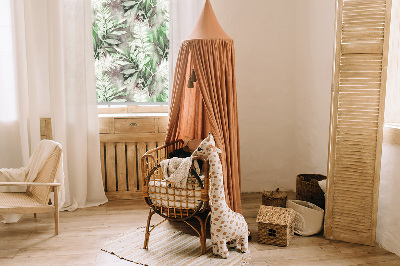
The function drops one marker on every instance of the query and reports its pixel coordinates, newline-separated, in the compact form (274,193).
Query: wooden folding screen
(358,97)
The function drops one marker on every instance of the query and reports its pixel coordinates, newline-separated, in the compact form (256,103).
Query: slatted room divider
(358,95)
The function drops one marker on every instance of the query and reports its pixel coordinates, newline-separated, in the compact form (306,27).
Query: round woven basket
(308,189)
(309,217)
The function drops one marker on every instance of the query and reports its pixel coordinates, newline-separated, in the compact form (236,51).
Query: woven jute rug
(168,247)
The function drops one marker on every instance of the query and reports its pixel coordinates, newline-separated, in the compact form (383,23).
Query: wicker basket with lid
(274,198)
(275,225)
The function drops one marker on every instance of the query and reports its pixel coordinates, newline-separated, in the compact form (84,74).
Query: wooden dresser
(123,140)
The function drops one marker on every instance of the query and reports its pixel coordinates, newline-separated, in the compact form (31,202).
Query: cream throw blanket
(176,170)
(29,173)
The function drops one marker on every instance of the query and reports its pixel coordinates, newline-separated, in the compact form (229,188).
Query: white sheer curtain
(183,17)
(10,147)
(54,70)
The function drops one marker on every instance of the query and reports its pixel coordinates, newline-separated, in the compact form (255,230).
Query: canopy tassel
(193,76)
(190,83)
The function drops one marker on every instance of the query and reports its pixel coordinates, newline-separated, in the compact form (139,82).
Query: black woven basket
(308,189)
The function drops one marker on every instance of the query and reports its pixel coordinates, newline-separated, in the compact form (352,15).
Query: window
(8,92)
(392,108)
(131,44)
(391,130)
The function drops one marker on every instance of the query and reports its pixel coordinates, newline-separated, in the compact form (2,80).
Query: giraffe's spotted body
(226,225)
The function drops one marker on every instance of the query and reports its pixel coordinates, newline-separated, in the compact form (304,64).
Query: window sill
(132,110)
(128,115)
(391,133)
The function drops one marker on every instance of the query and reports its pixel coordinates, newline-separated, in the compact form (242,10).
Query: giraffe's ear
(216,149)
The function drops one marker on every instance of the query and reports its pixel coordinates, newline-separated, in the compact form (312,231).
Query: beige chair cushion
(16,199)
(46,175)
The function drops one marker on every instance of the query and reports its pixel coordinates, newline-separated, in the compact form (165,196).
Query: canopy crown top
(207,26)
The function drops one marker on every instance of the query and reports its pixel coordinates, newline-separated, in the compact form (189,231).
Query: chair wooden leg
(34,215)
(203,236)
(147,235)
(203,232)
(56,211)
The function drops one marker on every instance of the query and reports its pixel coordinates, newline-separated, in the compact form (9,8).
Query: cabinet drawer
(106,125)
(134,125)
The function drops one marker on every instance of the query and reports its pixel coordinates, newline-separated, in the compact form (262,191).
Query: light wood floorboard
(83,232)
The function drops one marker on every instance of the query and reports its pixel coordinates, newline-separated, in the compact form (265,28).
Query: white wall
(388,227)
(284,52)
(264,34)
(314,60)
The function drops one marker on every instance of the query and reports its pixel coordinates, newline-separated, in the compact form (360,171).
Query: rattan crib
(170,202)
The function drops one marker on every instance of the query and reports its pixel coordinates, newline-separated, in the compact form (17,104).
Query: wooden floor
(83,232)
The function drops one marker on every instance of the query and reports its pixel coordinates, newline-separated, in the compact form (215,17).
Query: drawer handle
(133,124)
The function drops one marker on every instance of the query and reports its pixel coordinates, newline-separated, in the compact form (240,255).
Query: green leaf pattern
(131,45)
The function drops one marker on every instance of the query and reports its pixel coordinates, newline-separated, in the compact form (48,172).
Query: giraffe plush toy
(226,225)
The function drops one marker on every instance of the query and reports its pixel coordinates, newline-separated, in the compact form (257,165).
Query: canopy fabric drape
(211,106)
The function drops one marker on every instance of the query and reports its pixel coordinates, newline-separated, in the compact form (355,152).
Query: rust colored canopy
(211,106)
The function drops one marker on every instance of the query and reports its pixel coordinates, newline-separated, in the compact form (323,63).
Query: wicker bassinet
(170,202)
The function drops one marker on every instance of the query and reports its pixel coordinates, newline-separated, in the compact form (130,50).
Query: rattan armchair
(36,197)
